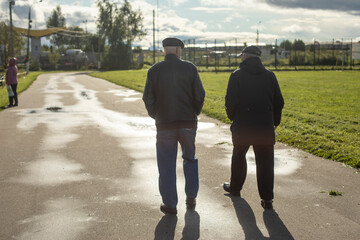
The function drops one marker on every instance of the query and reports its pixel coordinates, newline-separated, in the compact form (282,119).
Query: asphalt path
(78,161)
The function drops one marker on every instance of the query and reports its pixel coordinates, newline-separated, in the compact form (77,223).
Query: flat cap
(252,50)
(172,42)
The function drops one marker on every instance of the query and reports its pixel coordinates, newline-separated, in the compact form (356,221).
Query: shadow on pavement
(165,230)
(166,227)
(276,227)
(191,230)
(246,219)
(273,223)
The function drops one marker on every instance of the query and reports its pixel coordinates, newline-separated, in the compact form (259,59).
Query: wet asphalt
(78,161)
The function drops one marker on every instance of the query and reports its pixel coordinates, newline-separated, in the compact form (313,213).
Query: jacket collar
(170,57)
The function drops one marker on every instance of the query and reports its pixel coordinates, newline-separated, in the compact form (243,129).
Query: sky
(207,20)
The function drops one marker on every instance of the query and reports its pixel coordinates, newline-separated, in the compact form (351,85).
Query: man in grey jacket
(174,96)
(254,103)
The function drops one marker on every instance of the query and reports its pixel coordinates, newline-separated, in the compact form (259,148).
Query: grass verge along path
(321,113)
(23,83)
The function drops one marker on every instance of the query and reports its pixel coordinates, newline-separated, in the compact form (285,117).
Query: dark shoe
(9,106)
(190,203)
(226,187)
(165,209)
(267,204)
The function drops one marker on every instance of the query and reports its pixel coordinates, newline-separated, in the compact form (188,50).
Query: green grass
(335,193)
(24,83)
(321,113)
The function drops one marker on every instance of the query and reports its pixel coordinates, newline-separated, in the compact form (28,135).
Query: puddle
(63,219)
(53,109)
(85,95)
(125,93)
(286,161)
(52,170)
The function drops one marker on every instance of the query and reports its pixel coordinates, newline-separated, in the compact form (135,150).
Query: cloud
(178,2)
(40,12)
(294,28)
(211,10)
(206,20)
(229,3)
(350,6)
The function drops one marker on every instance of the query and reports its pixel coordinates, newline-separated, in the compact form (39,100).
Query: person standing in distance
(174,97)
(12,81)
(254,103)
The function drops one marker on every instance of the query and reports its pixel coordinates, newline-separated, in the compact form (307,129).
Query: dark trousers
(15,97)
(264,157)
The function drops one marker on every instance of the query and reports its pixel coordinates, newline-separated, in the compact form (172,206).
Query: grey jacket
(173,94)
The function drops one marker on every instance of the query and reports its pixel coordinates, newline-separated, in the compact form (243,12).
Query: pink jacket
(11,73)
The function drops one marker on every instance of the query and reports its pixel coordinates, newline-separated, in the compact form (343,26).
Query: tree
(56,19)
(298,45)
(5,43)
(75,37)
(119,28)
(287,45)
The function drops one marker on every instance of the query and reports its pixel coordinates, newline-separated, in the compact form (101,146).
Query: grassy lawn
(24,83)
(321,114)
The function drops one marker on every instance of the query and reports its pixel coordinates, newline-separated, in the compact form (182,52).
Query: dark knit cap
(172,42)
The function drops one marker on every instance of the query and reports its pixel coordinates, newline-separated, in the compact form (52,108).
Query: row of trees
(118,27)
(314,54)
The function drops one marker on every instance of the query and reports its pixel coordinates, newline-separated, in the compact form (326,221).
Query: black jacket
(254,103)
(173,94)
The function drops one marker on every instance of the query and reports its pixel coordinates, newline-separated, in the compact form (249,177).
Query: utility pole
(333,49)
(11,3)
(194,52)
(158,30)
(207,56)
(275,53)
(351,54)
(257,34)
(314,52)
(153,36)
(236,52)
(28,45)
(215,58)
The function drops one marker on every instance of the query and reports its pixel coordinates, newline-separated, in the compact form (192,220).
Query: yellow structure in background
(36,36)
(39,33)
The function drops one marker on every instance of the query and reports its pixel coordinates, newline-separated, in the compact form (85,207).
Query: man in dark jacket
(254,103)
(174,96)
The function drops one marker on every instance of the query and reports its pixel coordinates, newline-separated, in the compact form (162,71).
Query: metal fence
(224,56)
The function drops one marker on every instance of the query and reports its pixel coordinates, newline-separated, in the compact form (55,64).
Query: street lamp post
(11,3)
(257,34)
(28,45)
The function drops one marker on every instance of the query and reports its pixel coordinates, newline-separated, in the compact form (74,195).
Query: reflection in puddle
(124,93)
(52,170)
(63,219)
(286,161)
(53,109)
(85,95)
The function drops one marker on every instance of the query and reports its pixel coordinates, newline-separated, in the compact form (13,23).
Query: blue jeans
(166,150)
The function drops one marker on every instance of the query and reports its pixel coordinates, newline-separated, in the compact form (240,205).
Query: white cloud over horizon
(207,20)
